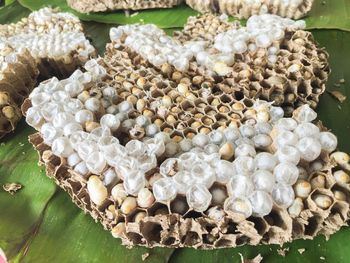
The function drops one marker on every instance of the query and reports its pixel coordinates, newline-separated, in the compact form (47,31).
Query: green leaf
(20,213)
(41,224)
(164,18)
(68,235)
(12,13)
(8,2)
(329,14)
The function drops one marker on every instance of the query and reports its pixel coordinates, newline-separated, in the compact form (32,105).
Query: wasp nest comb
(245,8)
(18,78)
(47,41)
(88,6)
(163,158)
(271,58)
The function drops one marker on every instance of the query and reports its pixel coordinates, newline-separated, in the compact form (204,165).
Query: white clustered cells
(48,33)
(264,31)
(257,163)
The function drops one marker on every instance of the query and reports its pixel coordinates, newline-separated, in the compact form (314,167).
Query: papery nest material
(87,6)
(40,43)
(166,225)
(245,9)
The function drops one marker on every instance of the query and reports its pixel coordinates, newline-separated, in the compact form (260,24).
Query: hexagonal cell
(313,226)
(277,218)
(259,224)
(151,231)
(179,205)
(191,239)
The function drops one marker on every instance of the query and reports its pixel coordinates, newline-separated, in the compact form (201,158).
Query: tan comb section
(109,5)
(245,9)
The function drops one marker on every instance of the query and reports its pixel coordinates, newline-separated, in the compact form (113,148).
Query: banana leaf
(40,223)
(8,2)
(324,14)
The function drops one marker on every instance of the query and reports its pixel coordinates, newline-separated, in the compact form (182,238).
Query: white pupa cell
(263,128)
(85,148)
(224,171)
(262,140)
(186,145)
(211,148)
(286,173)
(265,161)
(39,99)
(81,168)
(288,153)
(136,148)
(216,137)
(328,141)
(62,147)
(151,130)
(96,162)
(34,117)
(169,167)
(247,130)
(113,153)
(286,137)
(110,121)
(215,213)
(147,163)
(283,195)
(71,128)
(77,137)
(84,116)
(306,129)
(200,140)
(309,149)
(92,104)
(110,177)
(186,159)
(106,141)
(202,173)
(198,197)
(244,165)
(164,190)
(261,203)
(155,146)
(99,132)
(304,114)
(50,133)
(288,124)
(183,181)
(74,88)
(142,120)
(238,205)
(171,149)
(60,96)
(134,181)
(50,110)
(73,159)
(125,106)
(245,150)
(232,134)
(276,113)
(240,186)
(72,106)
(263,180)
(126,166)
